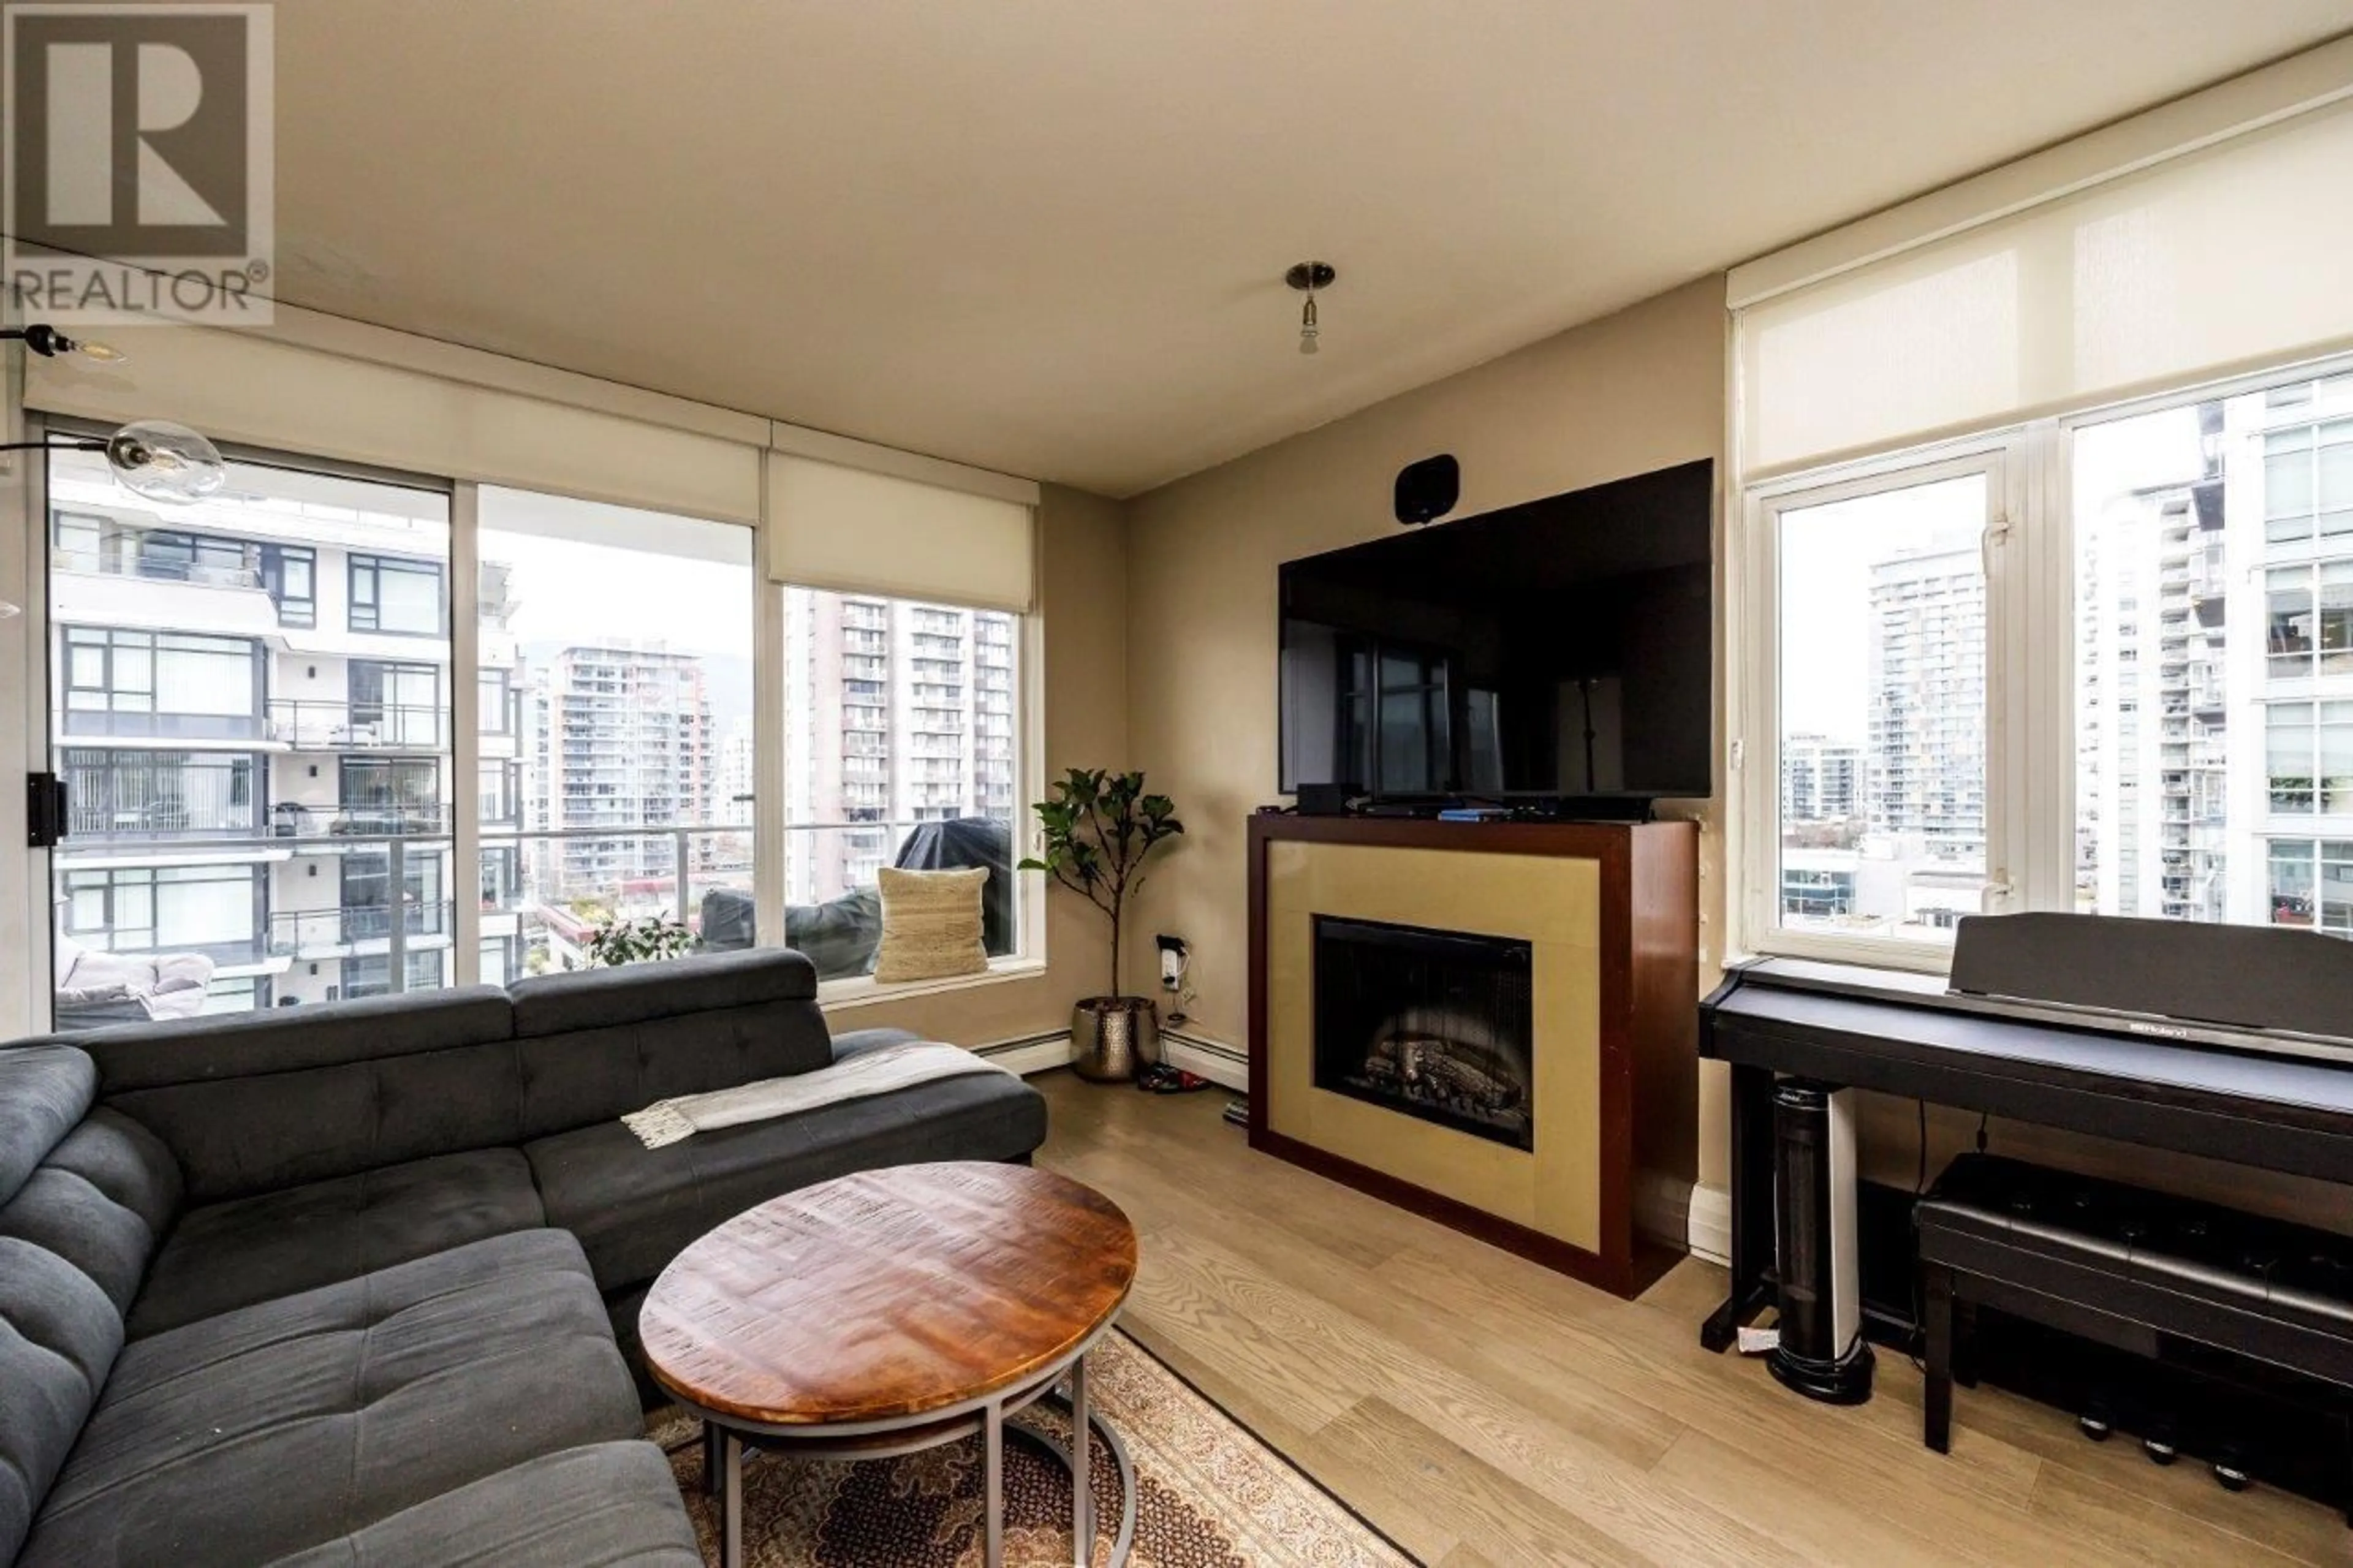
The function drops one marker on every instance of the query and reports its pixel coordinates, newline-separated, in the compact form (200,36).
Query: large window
(1880,742)
(125,794)
(399,597)
(395,705)
(211,910)
(255,713)
(181,685)
(613,726)
(902,747)
(234,780)
(2167,731)
(391,795)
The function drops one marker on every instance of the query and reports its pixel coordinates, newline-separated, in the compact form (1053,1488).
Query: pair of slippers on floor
(1162,1078)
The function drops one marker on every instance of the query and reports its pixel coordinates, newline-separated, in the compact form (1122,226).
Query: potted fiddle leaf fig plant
(1097,829)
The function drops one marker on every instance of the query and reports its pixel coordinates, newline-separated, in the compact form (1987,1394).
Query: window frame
(2030,705)
(1012,707)
(2004,461)
(372,566)
(1022,713)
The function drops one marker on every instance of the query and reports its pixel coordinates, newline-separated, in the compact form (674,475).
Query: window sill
(864,989)
(1859,953)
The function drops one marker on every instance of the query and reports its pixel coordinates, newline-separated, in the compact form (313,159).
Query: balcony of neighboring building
(326,725)
(107,573)
(359,931)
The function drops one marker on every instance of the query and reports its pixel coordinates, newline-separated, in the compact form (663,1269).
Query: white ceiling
(1047,235)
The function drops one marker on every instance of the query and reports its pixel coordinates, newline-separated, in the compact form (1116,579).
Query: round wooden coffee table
(894,1310)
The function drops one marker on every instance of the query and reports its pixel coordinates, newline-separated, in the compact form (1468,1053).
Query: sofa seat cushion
(635,1208)
(600,1507)
(231,1255)
(280,1426)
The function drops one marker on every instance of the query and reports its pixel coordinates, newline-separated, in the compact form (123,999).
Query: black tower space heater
(1821,1354)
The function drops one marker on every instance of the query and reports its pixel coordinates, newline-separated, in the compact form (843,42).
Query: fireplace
(1437,1024)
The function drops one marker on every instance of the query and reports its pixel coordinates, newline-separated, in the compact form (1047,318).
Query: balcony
(110,588)
(363,929)
(307,724)
(354,825)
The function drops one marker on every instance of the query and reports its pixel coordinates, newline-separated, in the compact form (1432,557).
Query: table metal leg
(714,1460)
(1082,1496)
(992,1483)
(731,1546)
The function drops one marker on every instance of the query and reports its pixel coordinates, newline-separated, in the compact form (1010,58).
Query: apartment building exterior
(1887,835)
(2216,775)
(1926,739)
(630,747)
(1822,780)
(896,713)
(251,716)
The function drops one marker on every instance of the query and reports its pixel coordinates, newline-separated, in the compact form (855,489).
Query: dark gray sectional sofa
(342,1285)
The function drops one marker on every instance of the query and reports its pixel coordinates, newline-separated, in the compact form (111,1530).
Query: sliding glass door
(249,712)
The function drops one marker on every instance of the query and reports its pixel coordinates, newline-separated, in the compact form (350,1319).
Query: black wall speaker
(1428,489)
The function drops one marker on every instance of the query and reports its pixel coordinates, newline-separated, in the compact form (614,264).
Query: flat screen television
(1561,649)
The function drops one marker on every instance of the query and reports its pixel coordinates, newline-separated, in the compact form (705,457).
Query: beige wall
(1083,569)
(1634,392)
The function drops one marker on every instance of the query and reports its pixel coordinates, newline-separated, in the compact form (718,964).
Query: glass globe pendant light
(153,458)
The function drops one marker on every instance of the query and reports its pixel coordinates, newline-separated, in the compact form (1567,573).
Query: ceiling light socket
(1308,277)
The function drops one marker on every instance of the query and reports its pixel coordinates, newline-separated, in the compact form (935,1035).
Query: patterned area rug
(1210,1494)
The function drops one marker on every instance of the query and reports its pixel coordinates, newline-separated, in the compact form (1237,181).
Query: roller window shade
(240,386)
(2212,262)
(854,531)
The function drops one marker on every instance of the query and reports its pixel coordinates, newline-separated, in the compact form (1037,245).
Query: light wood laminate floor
(1483,1411)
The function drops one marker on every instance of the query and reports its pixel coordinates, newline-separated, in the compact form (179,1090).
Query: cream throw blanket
(863,1076)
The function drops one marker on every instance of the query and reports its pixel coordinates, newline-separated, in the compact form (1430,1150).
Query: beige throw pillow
(930,924)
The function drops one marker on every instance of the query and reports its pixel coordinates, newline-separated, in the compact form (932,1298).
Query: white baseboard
(1221,1063)
(1711,1224)
(1030,1053)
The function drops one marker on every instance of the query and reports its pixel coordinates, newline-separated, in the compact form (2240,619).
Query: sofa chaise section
(353,1422)
(277,1427)
(635,1208)
(599,1046)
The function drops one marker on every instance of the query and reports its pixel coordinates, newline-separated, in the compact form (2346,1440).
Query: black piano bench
(2128,1268)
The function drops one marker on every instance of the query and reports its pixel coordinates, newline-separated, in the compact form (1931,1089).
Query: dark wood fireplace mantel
(1644,970)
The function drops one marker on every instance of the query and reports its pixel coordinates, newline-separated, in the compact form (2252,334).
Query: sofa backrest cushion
(635,993)
(44,1087)
(58,1339)
(599,1044)
(256,1103)
(103,1201)
(85,1196)
(282,1039)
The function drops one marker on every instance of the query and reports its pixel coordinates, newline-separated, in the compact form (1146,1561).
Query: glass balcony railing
(309,724)
(156,568)
(562,885)
(335,931)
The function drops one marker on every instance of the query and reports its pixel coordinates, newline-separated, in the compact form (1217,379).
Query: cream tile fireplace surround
(1532,1129)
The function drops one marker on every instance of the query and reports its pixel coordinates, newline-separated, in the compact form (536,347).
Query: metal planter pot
(1113,1037)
